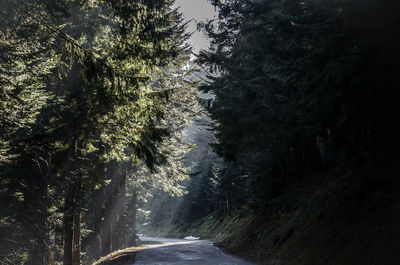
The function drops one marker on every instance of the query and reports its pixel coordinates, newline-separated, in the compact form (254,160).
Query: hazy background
(198,10)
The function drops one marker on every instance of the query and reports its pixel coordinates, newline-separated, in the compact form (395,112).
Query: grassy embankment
(345,220)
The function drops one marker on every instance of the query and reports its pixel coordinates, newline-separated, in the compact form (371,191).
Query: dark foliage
(303,84)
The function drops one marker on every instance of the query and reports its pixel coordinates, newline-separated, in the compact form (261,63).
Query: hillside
(349,219)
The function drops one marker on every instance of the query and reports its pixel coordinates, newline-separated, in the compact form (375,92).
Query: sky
(198,10)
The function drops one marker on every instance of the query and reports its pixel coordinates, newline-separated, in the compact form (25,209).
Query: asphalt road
(163,251)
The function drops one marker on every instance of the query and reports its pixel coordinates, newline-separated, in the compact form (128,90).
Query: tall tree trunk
(69,195)
(114,223)
(118,223)
(108,212)
(115,197)
(106,233)
(98,215)
(122,212)
(76,242)
(133,224)
(41,252)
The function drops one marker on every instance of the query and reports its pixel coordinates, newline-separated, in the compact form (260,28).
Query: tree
(297,84)
(95,105)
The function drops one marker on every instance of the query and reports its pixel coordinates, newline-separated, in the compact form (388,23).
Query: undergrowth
(350,220)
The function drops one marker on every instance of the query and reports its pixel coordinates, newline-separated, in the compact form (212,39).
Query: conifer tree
(78,101)
(291,84)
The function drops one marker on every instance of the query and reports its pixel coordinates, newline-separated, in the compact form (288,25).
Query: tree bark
(108,213)
(68,220)
(76,241)
(115,207)
(114,220)
(106,233)
(133,224)
(98,215)
(40,252)
(122,212)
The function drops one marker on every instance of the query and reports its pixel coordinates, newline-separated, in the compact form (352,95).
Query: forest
(278,142)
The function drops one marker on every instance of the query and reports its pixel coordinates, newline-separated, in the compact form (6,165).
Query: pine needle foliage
(302,84)
(80,109)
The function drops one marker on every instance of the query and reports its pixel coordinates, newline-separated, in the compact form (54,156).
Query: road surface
(167,251)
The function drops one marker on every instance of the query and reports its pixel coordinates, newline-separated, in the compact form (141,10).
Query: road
(164,251)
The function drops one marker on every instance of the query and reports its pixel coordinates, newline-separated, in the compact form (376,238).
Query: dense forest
(106,121)
(93,97)
(302,84)
(300,87)
(306,150)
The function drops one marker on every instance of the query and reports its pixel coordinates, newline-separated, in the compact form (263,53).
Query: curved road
(167,251)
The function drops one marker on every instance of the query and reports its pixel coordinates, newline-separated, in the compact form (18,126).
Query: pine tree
(76,97)
(294,82)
